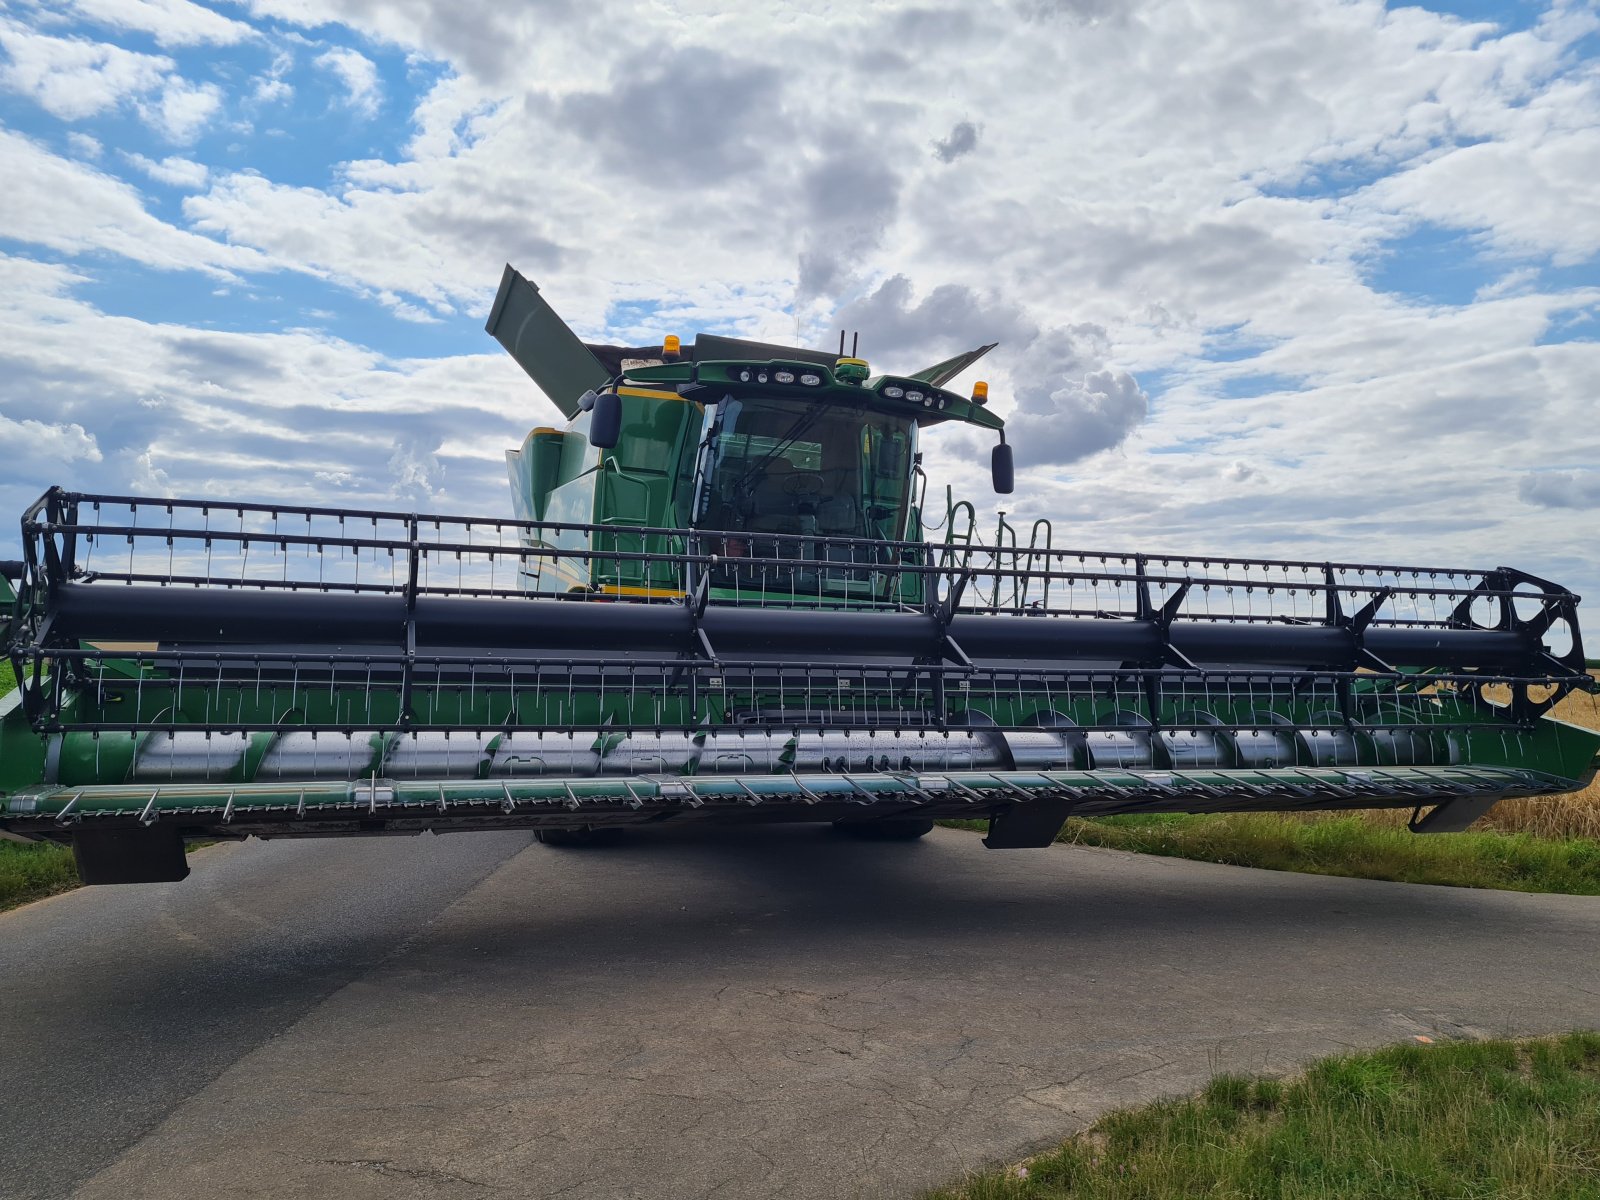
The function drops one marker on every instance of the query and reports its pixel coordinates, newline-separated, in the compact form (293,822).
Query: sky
(1295,278)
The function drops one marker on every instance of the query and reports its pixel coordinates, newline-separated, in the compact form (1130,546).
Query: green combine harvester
(723,596)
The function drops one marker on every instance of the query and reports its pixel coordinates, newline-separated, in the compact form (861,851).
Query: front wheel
(582,835)
(887,829)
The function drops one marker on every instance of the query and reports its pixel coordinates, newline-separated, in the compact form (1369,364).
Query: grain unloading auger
(716,601)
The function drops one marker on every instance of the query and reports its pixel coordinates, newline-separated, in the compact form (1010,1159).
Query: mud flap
(142,854)
(1028,826)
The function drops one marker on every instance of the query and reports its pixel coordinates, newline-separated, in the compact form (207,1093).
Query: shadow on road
(798,888)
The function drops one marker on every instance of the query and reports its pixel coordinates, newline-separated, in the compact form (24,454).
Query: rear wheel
(582,835)
(888,829)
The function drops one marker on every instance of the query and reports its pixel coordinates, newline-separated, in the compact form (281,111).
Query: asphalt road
(765,1012)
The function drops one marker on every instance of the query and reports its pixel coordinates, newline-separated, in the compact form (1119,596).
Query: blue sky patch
(1265,383)
(1579,325)
(1507,14)
(1434,265)
(268,302)
(1232,344)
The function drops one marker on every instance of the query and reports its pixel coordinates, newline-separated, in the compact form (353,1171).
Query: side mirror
(605,421)
(1001,468)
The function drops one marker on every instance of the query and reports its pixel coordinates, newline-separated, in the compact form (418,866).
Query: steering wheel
(803,484)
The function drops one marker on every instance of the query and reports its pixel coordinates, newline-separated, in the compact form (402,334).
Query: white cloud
(1521,279)
(40,442)
(183,109)
(416,471)
(272,91)
(1096,412)
(170,22)
(407,312)
(1561,489)
(71,207)
(179,172)
(85,146)
(497,42)
(271,88)
(73,78)
(326,234)
(359,76)
(165,408)
(1146,199)
(1532,195)
(963,140)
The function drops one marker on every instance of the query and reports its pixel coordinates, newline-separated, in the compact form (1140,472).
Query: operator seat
(838,514)
(771,508)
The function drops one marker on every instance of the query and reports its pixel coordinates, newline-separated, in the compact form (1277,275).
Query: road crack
(388,1167)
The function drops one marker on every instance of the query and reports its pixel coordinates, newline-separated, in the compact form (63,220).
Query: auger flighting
(714,599)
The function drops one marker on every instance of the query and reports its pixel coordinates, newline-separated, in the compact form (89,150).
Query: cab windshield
(813,470)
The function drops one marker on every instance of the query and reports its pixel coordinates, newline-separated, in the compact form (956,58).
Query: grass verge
(1510,1120)
(1353,846)
(33,871)
(29,872)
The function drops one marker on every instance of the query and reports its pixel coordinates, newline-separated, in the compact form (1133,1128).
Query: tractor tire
(887,829)
(581,836)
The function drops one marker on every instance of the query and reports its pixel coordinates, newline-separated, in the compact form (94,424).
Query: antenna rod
(841,343)
(855,343)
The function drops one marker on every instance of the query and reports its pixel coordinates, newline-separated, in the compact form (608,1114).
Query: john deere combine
(718,600)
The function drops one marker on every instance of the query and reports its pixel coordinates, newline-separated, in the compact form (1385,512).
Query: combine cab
(716,601)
